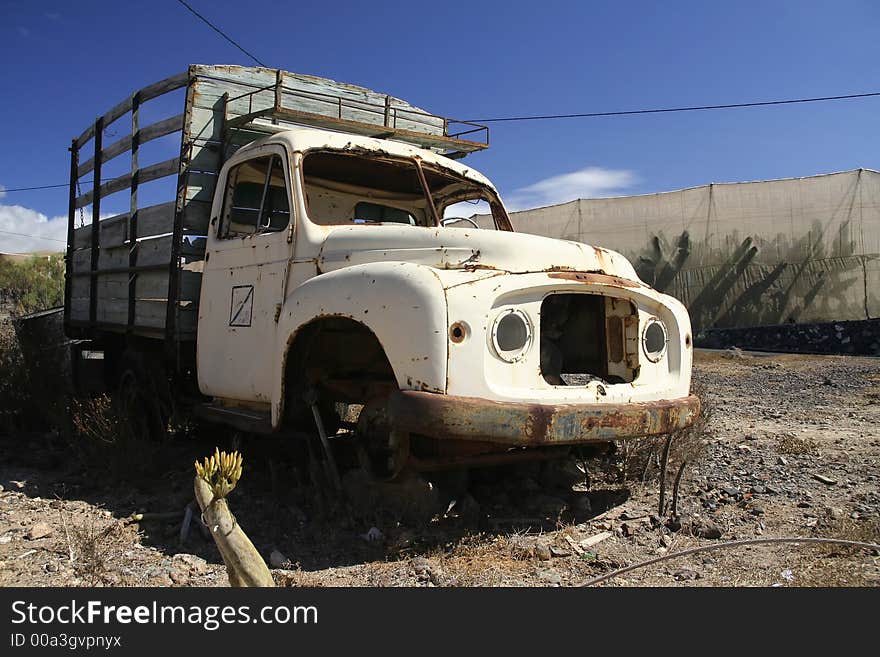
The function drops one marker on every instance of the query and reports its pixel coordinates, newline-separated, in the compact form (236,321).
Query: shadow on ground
(281,510)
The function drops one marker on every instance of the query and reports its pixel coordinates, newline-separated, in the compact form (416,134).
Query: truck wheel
(385,452)
(138,401)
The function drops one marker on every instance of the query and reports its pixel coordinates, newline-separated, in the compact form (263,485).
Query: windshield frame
(499,213)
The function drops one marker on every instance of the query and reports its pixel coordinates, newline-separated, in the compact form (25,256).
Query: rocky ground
(791,449)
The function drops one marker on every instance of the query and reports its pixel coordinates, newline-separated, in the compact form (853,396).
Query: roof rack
(269,107)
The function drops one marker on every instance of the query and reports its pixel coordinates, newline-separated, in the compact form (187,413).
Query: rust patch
(614,331)
(591,277)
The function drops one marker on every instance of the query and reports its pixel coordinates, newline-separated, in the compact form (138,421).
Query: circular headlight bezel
(511,355)
(654,344)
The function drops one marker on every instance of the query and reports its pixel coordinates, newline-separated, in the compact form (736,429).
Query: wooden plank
(82,237)
(146,174)
(115,112)
(79,287)
(153,131)
(114,149)
(156,220)
(115,258)
(151,285)
(79,309)
(150,252)
(152,220)
(161,128)
(148,92)
(164,86)
(82,259)
(113,231)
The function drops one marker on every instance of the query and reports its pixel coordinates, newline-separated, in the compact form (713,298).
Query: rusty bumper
(523,424)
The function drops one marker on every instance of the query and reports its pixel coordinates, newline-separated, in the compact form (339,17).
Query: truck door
(249,250)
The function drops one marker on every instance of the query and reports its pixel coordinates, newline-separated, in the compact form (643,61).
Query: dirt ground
(791,449)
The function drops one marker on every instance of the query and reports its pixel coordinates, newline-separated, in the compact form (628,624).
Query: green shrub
(32,285)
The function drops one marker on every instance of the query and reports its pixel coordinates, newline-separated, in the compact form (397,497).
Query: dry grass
(641,458)
(791,444)
(97,549)
(103,441)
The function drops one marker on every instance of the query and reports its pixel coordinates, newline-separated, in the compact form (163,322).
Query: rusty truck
(318,251)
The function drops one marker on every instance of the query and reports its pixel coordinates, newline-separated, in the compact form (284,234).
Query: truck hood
(461,248)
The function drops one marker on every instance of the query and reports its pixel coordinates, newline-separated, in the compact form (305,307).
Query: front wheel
(385,451)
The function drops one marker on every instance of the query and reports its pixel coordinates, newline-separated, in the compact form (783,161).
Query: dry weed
(791,444)
(96,550)
(641,459)
(104,442)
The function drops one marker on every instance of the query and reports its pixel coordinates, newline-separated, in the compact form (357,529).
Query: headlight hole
(654,340)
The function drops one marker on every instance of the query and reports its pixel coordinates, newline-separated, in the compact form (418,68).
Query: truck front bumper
(535,425)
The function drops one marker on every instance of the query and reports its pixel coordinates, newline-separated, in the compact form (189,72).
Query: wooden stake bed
(140,272)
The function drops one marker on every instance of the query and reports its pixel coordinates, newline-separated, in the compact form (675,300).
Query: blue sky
(67,62)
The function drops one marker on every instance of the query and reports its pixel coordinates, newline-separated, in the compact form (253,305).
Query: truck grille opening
(588,337)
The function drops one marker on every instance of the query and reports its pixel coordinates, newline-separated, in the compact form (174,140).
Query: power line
(26,189)
(674,109)
(220,32)
(662,110)
(38,237)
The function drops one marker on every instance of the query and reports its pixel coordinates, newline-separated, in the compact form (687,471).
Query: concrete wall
(796,250)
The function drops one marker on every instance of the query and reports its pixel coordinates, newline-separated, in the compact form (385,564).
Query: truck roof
(305,139)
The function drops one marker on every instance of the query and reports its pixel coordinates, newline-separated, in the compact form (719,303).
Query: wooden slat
(164,86)
(153,131)
(153,220)
(152,172)
(150,252)
(156,220)
(151,285)
(148,92)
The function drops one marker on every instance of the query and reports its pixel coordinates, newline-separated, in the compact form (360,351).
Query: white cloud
(590,182)
(43,233)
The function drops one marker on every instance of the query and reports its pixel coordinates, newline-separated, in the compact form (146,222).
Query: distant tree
(32,285)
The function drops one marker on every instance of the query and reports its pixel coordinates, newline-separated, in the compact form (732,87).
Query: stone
(191,562)
(551,577)
(706,529)
(757,511)
(39,530)
(685,574)
(6,538)
(834,512)
(179,578)
(277,559)
(420,565)
(542,551)
(559,553)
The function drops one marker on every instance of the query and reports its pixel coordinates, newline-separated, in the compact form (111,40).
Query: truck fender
(403,304)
